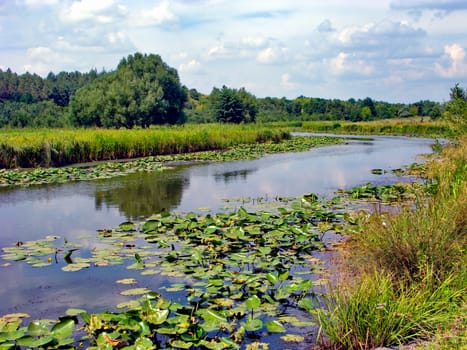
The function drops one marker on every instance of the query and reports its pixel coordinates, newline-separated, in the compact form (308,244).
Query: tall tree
(233,106)
(142,91)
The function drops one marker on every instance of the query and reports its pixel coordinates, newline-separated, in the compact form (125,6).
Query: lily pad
(135,291)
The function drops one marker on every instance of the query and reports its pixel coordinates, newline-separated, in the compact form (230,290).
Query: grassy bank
(406,126)
(26,148)
(101,170)
(410,268)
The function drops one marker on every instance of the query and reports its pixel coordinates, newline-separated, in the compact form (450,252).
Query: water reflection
(143,194)
(232,176)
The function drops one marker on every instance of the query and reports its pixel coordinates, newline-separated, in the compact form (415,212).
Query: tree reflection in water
(140,195)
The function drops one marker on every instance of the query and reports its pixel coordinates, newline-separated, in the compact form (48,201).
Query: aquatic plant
(236,271)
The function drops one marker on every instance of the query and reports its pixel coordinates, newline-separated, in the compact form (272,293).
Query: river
(76,210)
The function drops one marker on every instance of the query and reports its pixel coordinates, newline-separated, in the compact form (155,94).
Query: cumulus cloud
(193,66)
(219,51)
(346,64)
(102,11)
(384,33)
(454,56)
(159,15)
(272,55)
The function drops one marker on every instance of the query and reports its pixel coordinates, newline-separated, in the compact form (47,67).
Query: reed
(28,148)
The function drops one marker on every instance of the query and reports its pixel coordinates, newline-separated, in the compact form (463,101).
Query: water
(77,210)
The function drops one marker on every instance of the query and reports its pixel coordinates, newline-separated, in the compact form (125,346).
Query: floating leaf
(63,329)
(293,338)
(75,267)
(127,226)
(135,291)
(38,328)
(132,304)
(126,281)
(74,312)
(181,344)
(253,302)
(275,326)
(253,325)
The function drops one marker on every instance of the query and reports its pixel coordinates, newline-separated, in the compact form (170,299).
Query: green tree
(233,106)
(142,91)
(455,111)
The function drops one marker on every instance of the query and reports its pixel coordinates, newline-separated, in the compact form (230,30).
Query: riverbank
(409,277)
(30,148)
(415,126)
(105,170)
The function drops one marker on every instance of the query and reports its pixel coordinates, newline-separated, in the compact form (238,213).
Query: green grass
(374,311)
(407,126)
(418,290)
(25,148)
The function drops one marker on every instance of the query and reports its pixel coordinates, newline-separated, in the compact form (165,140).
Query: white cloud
(381,34)
(102,11)
(272,55)
(218,51)
(192,66)
(37,3)
(287,82)
(457,64)
(344,63)
(39,52)
(253,42)
(117,38)
(158,15)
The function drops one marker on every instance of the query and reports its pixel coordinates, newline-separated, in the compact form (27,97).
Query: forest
(144,91)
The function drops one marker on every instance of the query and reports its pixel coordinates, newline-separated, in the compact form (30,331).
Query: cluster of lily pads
(112,169)
(397,192)
(238,273)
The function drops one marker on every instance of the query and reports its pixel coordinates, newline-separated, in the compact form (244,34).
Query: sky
(389,50)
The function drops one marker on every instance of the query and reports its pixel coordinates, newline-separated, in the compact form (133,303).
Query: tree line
(144,91)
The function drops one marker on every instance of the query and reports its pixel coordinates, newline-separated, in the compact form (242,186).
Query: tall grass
(373,311)
(406,126)
(46,147)
(418,289)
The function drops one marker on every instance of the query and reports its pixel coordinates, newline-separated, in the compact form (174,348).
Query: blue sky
(392,50)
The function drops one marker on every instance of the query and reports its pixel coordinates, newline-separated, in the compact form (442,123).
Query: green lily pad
(293,338)
(135,291)
(253,325)
(275,326)
(63,329)
(126,281)
(75,267)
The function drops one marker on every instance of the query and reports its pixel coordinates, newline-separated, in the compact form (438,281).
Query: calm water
(77,210)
